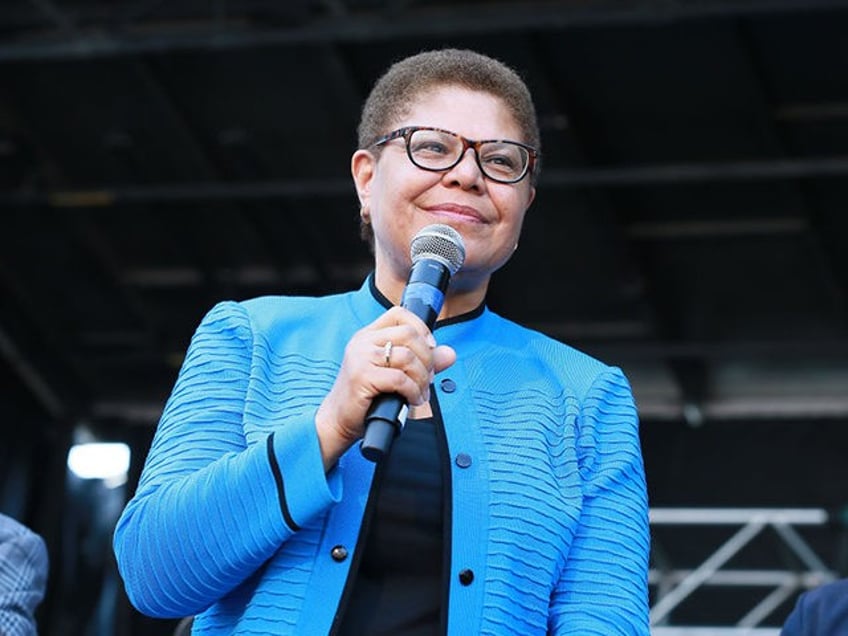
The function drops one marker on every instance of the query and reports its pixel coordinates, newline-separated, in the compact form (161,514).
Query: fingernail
(431,340)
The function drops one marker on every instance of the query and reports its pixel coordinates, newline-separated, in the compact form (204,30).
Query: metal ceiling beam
(104,262)
(58,17)
(38,386)
(244,161)
(656,174)
(820,232)
(815,112)
(35,345)
(175,118)
(661,315)
(748,349)
(39,364)
(442,21)
(675,230)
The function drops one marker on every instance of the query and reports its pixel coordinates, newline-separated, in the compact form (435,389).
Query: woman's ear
(362,165)
(530,196)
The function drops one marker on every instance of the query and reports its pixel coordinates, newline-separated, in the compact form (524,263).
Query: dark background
(690,227)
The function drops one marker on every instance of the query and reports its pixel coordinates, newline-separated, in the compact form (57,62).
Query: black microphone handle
(383,423)
(423,296)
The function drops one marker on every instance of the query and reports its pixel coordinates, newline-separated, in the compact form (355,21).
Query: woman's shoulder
(535,341)
(283,304)
(533,349)
(273,308)
(305,315)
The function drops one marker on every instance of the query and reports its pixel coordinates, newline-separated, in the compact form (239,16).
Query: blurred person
(514,500)
(23,577)
(822,611)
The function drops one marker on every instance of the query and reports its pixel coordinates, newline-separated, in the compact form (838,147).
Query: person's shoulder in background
(822,611)
(23,576)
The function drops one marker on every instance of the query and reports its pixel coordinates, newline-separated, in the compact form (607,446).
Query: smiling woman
(399,196)
(513,501)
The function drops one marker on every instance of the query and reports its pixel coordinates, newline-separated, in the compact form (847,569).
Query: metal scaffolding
(673,585)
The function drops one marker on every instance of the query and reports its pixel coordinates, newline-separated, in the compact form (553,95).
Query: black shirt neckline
(464,317)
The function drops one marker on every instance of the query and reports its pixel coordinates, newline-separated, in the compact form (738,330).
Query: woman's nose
(466,173)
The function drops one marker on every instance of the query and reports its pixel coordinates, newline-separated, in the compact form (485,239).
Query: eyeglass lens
(440,150)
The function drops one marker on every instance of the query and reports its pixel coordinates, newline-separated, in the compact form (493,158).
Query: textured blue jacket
(235,520)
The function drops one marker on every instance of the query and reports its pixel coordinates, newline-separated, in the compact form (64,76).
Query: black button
(466,576)
(339,553)
(463,460)
(448,385)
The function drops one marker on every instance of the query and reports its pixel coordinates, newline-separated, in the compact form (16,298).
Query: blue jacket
(235,520)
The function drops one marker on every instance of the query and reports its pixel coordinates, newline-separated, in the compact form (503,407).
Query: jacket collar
(377,295)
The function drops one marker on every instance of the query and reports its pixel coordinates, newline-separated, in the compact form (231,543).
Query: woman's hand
(413,361)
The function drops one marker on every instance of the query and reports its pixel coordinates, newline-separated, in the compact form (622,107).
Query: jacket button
(466,576)
(339,553)
(448,385)
(463,460)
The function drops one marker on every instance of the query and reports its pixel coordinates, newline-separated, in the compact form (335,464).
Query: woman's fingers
(443,357)
(405,368)
(396,347)
(396,353)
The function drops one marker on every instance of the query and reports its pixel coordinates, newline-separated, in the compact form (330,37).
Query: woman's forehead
(472,113)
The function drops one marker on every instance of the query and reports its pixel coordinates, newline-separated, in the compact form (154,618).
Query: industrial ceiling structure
(690,224)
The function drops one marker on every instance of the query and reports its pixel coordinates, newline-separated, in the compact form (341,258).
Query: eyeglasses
(439,150)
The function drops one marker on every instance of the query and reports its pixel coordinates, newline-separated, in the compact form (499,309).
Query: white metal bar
(672,586)
(745,578)
(714,631)
(794,540)
(765,607)
(705,570)
(737,516)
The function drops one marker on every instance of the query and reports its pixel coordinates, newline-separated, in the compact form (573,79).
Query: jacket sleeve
(603,588)
(210,508)
(796,623)
(23,576)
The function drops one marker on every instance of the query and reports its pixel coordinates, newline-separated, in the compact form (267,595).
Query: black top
(398,589)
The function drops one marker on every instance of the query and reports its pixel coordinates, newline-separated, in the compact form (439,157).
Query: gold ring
(387,352)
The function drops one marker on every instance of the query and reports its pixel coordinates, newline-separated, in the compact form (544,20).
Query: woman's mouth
(462,213)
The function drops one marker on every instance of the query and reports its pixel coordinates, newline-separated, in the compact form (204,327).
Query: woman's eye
(430,147)
(501,161)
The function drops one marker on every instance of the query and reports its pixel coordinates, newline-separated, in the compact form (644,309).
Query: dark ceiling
(157,157)
(690,225)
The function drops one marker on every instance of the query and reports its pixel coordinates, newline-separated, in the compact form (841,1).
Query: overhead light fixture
(109,461)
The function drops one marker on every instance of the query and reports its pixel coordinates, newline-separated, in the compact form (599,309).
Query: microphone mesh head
(441,243)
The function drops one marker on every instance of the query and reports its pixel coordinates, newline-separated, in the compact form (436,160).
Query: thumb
(443,357)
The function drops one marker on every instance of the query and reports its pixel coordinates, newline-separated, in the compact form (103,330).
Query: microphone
(437,253)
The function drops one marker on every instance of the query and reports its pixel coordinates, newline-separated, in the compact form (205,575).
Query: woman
(514,501)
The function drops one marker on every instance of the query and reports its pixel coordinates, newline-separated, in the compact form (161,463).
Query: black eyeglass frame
(406,132)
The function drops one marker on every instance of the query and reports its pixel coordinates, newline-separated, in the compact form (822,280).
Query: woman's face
(400,198)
